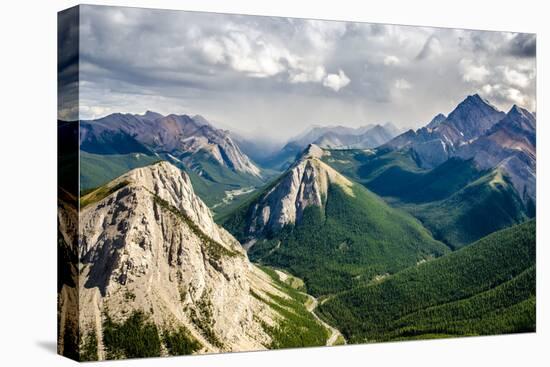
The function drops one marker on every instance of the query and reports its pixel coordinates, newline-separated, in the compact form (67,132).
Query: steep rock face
(305,184)
(149,243)
(510,145)
(221,147)
(473,117)
(438,141)
(180,135)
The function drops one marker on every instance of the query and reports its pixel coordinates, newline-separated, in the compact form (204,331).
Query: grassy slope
(396,167)
(351,241)
(421,187)
(485,288)
(457,202)
(98,169)
(486,205)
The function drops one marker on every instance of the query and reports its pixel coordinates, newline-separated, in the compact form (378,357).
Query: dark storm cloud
(523,45)
(277,75)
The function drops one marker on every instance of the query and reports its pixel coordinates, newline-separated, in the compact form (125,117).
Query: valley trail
(336,337)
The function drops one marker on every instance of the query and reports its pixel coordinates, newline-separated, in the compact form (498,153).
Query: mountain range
(178,242)
(337,137)
(477,130)
(159,277)
(180,135)
(510,145)
(436,142)
(460,188)
(118,142)
(328,230)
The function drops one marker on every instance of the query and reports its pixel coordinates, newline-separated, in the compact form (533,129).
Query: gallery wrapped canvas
(233,183)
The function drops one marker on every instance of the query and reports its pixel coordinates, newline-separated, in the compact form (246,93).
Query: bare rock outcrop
(148,243)
(305,184)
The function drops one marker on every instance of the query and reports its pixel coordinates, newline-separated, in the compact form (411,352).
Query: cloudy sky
(276,76)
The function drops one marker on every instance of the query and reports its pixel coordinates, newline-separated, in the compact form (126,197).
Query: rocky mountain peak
(438,119)
(149,244)
(442,137)
(305,184)
(472,117)
(474,98)
(151,115)
(172,185)
(312,151)
(472,102)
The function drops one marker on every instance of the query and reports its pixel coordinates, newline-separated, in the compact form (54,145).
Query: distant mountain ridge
(113,145)
(333,137)
(367,136)
(371,137)
(475,129)
(436,142)
(180,135)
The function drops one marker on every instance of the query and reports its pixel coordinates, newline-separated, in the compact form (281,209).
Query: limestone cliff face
(147,242)
(221,147)
(306,183)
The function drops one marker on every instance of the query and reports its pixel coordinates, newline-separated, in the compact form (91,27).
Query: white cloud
(487,89)
(472,72)
(516,96)
(515,78)
(336,81)
(316,74)
(228,66)
(391,60)
(504,96)
(251,54)
(402,84)
(213,51)
(247,53)
(93,111)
